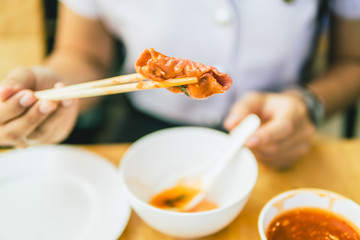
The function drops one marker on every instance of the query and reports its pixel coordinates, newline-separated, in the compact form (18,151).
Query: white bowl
(307,197)
(158,160)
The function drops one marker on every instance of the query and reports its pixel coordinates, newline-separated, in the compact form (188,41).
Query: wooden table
(331,164)
(22,34)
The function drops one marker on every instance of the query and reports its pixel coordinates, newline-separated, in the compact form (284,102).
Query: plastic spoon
(237,138)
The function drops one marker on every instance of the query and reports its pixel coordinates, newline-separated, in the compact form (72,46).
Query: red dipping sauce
(311,223)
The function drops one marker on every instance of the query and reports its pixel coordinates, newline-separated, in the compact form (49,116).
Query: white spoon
(237,138)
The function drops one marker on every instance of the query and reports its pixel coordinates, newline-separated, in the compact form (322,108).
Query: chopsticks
(114,85)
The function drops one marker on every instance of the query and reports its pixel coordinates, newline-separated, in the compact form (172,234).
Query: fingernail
(252,141)
(5,92)
(27,100)
(59,85)
(66,103)
(47,107)
(3,89)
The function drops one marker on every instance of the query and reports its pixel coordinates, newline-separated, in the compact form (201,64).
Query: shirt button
(223,16)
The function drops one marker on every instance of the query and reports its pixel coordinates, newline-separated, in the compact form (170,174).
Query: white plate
(60,193)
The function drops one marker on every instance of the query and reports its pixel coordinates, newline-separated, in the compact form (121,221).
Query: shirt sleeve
(348,9)
(85,8)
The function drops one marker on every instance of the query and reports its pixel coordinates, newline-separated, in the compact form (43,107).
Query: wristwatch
(315,107)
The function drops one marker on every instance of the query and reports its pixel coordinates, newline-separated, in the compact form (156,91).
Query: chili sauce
(311,223)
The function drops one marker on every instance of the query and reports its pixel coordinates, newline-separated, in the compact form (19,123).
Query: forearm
(339,87)
(72,68)
(83,50)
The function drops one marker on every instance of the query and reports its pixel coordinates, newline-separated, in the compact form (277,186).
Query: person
(262,45)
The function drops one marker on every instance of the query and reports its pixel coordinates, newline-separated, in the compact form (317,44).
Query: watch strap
(314,105)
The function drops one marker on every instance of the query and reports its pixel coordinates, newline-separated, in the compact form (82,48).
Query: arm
(83,52)
(341,85)
(286,128)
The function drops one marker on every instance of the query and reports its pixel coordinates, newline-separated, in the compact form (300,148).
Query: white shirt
(261,44)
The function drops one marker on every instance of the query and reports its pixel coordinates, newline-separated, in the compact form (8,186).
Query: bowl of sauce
(154,172)
(175,198)
(310,214)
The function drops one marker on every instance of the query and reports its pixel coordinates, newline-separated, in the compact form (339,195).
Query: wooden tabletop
(331,164)
(22,35)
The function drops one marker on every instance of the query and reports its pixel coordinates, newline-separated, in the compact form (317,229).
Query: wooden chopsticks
(120,84)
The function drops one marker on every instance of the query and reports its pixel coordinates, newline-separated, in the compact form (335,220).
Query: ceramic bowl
(304,198)
(158,160)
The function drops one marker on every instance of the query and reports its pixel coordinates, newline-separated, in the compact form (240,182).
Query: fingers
(22,77)
(19,104)
(284,153)
(16,80)
(14,132)
(276,129)
(285,132)
(7,91)
(277,121)
(301,135)
(16,105)
(282,116)
(248,104)
(23,116)
(45,122)
(283,159)
(57,126)
(24,120)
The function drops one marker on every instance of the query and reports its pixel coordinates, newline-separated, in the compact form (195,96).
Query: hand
(286,129)
(25,120)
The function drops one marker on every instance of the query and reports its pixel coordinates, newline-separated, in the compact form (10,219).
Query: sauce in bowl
(175,198)
(311,223)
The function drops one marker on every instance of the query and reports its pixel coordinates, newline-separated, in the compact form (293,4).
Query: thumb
(22,77)
(16,80)
(250,103)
